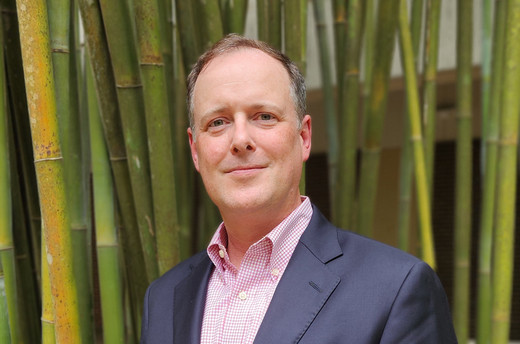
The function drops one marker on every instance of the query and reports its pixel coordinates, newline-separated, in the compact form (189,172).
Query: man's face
(246,143)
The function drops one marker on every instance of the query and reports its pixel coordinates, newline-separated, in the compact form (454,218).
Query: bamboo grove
(98,195)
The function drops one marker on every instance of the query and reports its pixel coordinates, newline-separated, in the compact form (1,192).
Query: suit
(339,287)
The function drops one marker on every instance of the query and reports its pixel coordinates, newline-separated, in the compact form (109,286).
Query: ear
(306,137)
(193,149)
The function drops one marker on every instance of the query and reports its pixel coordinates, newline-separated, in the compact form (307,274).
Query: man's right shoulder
(179,272)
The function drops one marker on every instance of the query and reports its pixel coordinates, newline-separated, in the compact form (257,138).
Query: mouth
(244,169)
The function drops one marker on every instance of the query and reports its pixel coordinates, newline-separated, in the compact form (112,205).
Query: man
(276,271)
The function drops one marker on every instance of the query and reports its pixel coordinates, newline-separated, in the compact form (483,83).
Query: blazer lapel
(305,287)
(188,304)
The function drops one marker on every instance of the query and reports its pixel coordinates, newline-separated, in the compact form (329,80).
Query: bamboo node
(10,247)
(129,86)
(416,138)
(47,321)
(152,64)
(48,159)
(118,158)
(61,50)
(82,228)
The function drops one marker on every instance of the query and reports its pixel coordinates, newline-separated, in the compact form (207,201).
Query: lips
(243,169)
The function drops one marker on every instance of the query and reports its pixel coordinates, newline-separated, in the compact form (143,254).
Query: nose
(242,140)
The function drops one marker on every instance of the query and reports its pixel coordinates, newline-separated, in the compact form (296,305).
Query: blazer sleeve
(420,313)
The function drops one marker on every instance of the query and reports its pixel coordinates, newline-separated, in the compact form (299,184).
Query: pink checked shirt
(237,300)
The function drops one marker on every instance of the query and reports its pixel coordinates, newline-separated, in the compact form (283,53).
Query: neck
(245,228)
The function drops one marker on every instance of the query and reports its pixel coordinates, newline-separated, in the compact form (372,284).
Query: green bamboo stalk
(295,40)
(348,117)
(212,23)
(34,34)
(121,43)
(18,99)
(111,289)
(48,328)
(331,117)
(233,15)
(183,167)
(189,33)
(374,116)
(7,254)
(489,185)
(369,46)
(28,305)
(406,163)
(412,96)
(5,336)
(70,136)
(487,32)
(339,10)
(463,170)
(431,53)
(109,110)
(269,17)
(159,135)
(504,237)
(167,48)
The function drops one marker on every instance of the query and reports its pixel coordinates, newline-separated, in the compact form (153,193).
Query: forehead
(241,71)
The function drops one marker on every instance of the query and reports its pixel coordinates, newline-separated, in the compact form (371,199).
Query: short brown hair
(234,42)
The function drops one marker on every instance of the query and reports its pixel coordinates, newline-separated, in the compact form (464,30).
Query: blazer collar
(188,303)
(301,293)
(305,287)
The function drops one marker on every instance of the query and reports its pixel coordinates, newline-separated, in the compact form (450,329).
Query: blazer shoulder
(178,273)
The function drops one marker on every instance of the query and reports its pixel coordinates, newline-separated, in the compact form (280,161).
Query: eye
(266,117)
(217,123)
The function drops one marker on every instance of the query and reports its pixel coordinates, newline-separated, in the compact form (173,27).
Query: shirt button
(275,272)
(221,253)
(242,295)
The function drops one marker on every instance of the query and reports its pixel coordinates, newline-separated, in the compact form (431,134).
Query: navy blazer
(339,287)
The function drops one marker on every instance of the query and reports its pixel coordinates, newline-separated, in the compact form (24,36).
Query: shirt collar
(283,238)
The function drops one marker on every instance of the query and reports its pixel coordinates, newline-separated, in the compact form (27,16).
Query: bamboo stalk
(120,40)
(5,336)
(109,110)
(28,305)
(34,33)
(70,136)
(7,255)
(348,117)
(490,180)
(504,238)
(269,17)
(183,167)
(48,335)
(212,23)
(188,33)
(331,117)
(233,15)
(486,34)
(412,96)
(159,135)
(294,33)
(339,10)
(111,288)
(431,53)
(374,115)
(406,162)
(18,99)
(463,170)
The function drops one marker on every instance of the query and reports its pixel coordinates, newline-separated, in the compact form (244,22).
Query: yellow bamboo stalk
(39,82)
(48,336)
